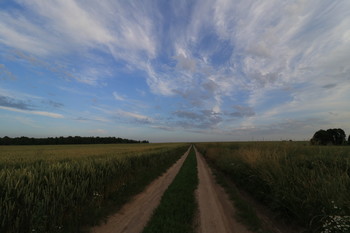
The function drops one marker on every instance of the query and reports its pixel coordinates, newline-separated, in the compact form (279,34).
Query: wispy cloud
(21,106)
(18,95)
(18,32)
(124,30)
(117,96)
(188,115)
(67,24)
(53,104)
(13,103)
(242,111)
(161,127)
(5,73)
(205,119)
(92,118)
(33,112)
(134,117)
(242,64)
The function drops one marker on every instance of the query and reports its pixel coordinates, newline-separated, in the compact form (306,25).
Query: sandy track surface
(216,212)
(133,216)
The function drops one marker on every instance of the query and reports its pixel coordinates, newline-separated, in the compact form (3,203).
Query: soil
(216,212)
(133,216)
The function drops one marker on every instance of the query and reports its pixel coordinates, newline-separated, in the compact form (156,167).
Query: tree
(329,136)
(338,136)
(321,137)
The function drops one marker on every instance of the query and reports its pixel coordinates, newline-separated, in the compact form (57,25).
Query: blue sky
(174,70)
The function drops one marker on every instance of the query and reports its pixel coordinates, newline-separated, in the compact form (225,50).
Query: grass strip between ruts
(178,205)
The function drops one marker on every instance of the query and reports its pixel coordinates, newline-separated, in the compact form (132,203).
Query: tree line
(330,137)
(65,140)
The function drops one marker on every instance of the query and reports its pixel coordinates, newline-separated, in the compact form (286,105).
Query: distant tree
(65,140)
(349,140)
(5,141)
(330,136)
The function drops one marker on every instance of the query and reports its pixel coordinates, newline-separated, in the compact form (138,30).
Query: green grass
(177,208)
(62,188)
(307,184)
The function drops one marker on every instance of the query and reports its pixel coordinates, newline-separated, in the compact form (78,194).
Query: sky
(175,70)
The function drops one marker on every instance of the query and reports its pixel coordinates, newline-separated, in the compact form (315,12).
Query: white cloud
(185,63)
(66,23)
(92,75)
(18,32)
(160,83)
(60,28)
(275,48)
(279,48)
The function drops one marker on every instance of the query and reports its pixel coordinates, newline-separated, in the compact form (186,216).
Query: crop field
(70,188)
(309,185)
(66,187)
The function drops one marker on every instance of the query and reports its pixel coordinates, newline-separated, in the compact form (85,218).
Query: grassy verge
(308,185)
(178,205)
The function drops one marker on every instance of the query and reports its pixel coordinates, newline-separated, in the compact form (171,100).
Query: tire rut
(216,212)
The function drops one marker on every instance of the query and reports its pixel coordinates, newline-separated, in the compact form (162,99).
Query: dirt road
(216,212)
(133,216)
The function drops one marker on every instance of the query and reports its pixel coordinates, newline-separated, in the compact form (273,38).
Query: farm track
(216,212)
(133,216)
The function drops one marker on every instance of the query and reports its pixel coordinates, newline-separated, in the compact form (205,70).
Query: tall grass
(65,192)
(309,184)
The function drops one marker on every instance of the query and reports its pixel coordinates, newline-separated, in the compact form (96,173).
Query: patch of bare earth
(216,212)
(133,216)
